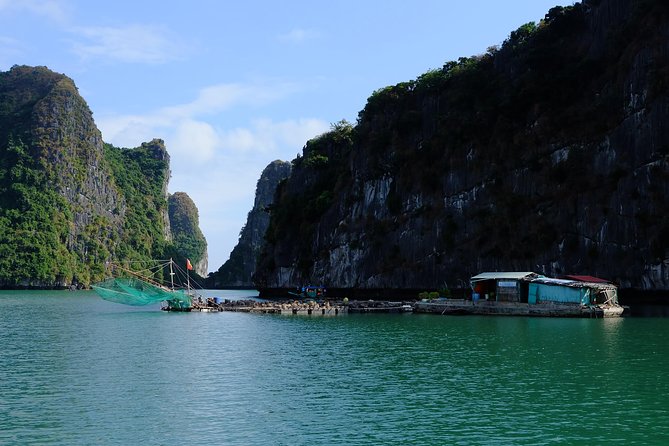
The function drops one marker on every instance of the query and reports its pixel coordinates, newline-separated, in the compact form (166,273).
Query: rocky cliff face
(69,202)
(65,137)
(62,213)
(549,154)
(188,240)
(238,270)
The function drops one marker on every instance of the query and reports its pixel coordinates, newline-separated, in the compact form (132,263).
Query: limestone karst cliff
(238,270)
(549,153)
(188,240)
(69,202)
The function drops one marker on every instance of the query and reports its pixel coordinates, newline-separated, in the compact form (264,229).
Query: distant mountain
(69,202)
(238,270)
(547,154)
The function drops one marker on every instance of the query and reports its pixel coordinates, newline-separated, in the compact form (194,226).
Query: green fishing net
(131,291)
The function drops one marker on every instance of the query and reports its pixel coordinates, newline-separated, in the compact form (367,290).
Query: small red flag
(189,267)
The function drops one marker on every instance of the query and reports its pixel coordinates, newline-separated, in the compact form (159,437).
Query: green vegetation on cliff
(34,223)
(188,242)
(141,175)
(155,226)
(68,202)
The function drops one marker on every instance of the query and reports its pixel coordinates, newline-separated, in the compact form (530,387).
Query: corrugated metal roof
(552,281)
(574,283)
(512,275)
(590,279)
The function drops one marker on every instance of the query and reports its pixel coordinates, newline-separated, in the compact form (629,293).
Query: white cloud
(132,43)
(194,140)
(294,132)
(218,166)
(130,130)
(135,43)
(221,97)
(197,146)
(266,136)
(298,35)
(51,9)
(221,185)
(240,139)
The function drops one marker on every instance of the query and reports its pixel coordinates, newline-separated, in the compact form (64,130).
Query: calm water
(76,370)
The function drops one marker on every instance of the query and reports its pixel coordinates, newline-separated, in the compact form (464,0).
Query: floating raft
(211,305)
(438,306)
(461,306)
(297,307)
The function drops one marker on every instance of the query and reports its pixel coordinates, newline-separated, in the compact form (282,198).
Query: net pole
(171,273)
(188,280)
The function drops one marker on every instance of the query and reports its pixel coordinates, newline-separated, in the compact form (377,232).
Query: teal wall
(540,292)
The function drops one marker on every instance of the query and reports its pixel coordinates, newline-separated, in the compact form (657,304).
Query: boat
(309,292)
(129,285)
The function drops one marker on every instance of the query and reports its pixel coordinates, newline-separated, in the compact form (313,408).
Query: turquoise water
(77,370)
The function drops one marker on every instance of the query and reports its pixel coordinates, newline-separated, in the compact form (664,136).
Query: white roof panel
(550,280)
(511,275)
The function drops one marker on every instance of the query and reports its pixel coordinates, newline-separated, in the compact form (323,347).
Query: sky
(231,86)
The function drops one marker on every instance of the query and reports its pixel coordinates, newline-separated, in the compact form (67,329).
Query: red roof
(590,279)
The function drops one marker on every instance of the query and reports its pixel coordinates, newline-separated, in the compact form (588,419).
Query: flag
(189,267)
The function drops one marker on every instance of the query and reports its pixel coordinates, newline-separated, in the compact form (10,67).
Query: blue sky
(233,85)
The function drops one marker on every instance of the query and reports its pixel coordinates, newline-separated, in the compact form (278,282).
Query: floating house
(501,286)
(532,294)
(565,291)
